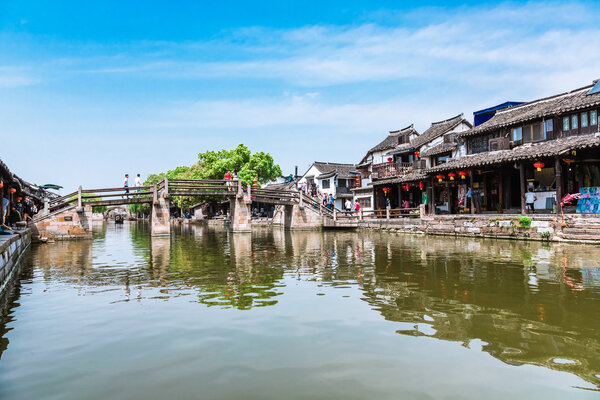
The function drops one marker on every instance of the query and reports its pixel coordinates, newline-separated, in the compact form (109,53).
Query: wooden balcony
(389,170)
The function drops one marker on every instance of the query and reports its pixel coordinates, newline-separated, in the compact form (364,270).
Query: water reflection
(522,303)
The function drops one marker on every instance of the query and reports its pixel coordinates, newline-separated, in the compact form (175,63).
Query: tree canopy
(215,164)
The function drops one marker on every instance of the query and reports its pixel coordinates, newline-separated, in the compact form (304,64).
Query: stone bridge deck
(69,216)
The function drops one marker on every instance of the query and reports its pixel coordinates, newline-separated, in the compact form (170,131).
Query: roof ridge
(461,115)
(411,126)
(554,96)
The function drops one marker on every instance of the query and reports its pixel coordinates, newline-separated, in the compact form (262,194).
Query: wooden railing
(391,169)
(390,213)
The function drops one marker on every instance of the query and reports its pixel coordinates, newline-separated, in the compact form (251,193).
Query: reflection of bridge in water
(522,303)
(69,216)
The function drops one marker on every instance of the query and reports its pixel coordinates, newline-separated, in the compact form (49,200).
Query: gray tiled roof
(391,141)
(437,129)
(331,169)
(410,177)
(547,107)
(530,151)
(439,149)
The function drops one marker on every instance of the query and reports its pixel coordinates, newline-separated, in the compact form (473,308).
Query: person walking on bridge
(126,183)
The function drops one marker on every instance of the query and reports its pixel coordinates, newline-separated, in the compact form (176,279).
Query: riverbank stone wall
(11,249)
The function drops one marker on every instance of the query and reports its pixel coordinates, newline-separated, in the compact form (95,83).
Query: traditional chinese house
(550,146)
(404,176)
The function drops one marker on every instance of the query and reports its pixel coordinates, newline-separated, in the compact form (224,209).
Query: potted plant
(499,208)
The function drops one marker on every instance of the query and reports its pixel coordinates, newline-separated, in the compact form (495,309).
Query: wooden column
(500,188)
(559,184)
(449,197)
(400,196)
(472,196)
(522,184)
(2,204)
(432,199)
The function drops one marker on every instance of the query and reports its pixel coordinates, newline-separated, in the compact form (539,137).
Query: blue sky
(91,90)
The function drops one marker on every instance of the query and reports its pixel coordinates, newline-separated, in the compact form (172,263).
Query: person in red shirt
(228,179)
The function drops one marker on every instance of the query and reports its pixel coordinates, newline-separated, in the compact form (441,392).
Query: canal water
(207,314)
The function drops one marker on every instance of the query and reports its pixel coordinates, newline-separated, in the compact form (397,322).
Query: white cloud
(15,77)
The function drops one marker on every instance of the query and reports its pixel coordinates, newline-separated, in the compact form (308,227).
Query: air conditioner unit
(501,143)
(419,164)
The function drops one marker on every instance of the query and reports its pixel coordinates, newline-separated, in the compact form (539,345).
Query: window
(517,134)
(537,132)
(574,122)
(593,117)
(441,159)
(527,134)
(566,124)
(479,144)
(364,202)
(548,125)
(341,183)
(325,184)
(584,120)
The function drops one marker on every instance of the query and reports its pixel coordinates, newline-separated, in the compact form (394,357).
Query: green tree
(215,164)
(259,166)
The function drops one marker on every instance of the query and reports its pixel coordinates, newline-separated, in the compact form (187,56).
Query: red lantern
(539,165)
(421,185)
(389,159)
(451,175)
(386,190)
(254,183)
(357,178)
(462,174)
(440,177)
(1,184)
(417,153)
(19,199)
(13,190)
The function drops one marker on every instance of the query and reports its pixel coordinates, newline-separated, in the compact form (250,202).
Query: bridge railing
(197,187)
(391,213)
(259,194)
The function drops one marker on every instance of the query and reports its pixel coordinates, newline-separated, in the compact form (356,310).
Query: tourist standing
(530,198)
(228,179)
(138,182)
(348,206)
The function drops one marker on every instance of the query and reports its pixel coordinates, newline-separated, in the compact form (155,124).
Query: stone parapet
(11,249)
(581,229)
(70,223)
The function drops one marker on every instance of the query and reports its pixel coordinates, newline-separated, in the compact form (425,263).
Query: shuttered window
(593,117)
(574,122)
(584,120)
(566,124)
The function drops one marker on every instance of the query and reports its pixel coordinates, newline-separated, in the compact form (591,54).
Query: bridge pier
(241,218)
(160,218)
(301,217)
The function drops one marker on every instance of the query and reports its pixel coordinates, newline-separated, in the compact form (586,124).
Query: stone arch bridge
(70,216)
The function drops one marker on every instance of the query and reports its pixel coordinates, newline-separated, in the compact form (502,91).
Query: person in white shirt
(348,205)
(126,183)
(530,198)
(138,182)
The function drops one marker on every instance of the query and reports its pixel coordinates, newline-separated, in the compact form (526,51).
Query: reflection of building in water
(490,296)
(65,260)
